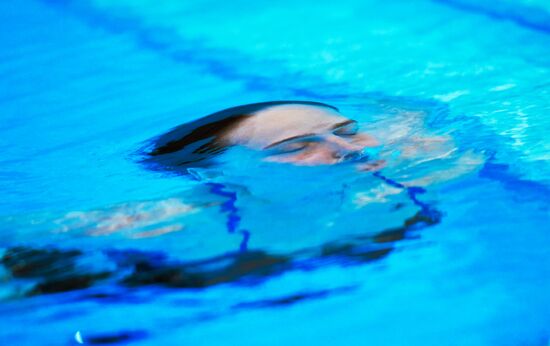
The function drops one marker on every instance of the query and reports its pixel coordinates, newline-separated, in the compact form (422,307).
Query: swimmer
(326,215)
(313,217)
(299,133)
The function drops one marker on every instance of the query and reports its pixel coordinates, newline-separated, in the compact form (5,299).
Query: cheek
(365,140)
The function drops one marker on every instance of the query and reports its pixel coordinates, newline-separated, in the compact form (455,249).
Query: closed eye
(349,129)
(290,147)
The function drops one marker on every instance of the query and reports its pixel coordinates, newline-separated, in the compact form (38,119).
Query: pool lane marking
(190,52)
(229,207)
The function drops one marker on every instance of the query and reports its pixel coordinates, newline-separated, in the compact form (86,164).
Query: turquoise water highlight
(85,83)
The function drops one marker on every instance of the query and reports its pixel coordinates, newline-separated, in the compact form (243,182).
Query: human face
(302,135)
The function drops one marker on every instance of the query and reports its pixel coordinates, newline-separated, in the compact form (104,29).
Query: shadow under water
(57,270)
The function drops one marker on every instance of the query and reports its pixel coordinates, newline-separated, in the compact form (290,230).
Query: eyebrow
(333,127)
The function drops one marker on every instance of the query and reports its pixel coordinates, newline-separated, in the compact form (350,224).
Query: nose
(341,147)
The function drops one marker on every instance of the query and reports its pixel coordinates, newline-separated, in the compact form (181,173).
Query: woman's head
(297,132)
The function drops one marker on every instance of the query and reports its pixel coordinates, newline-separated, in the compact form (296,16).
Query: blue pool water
(84,84)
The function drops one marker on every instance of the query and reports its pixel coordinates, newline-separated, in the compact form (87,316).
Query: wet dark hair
(193,143)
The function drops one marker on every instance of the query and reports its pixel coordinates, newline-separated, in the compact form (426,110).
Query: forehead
(279,122)
(299,114)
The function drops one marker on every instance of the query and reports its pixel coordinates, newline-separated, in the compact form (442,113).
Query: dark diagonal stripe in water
(525,16)
(193,52)
(525,188)
(169,44)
